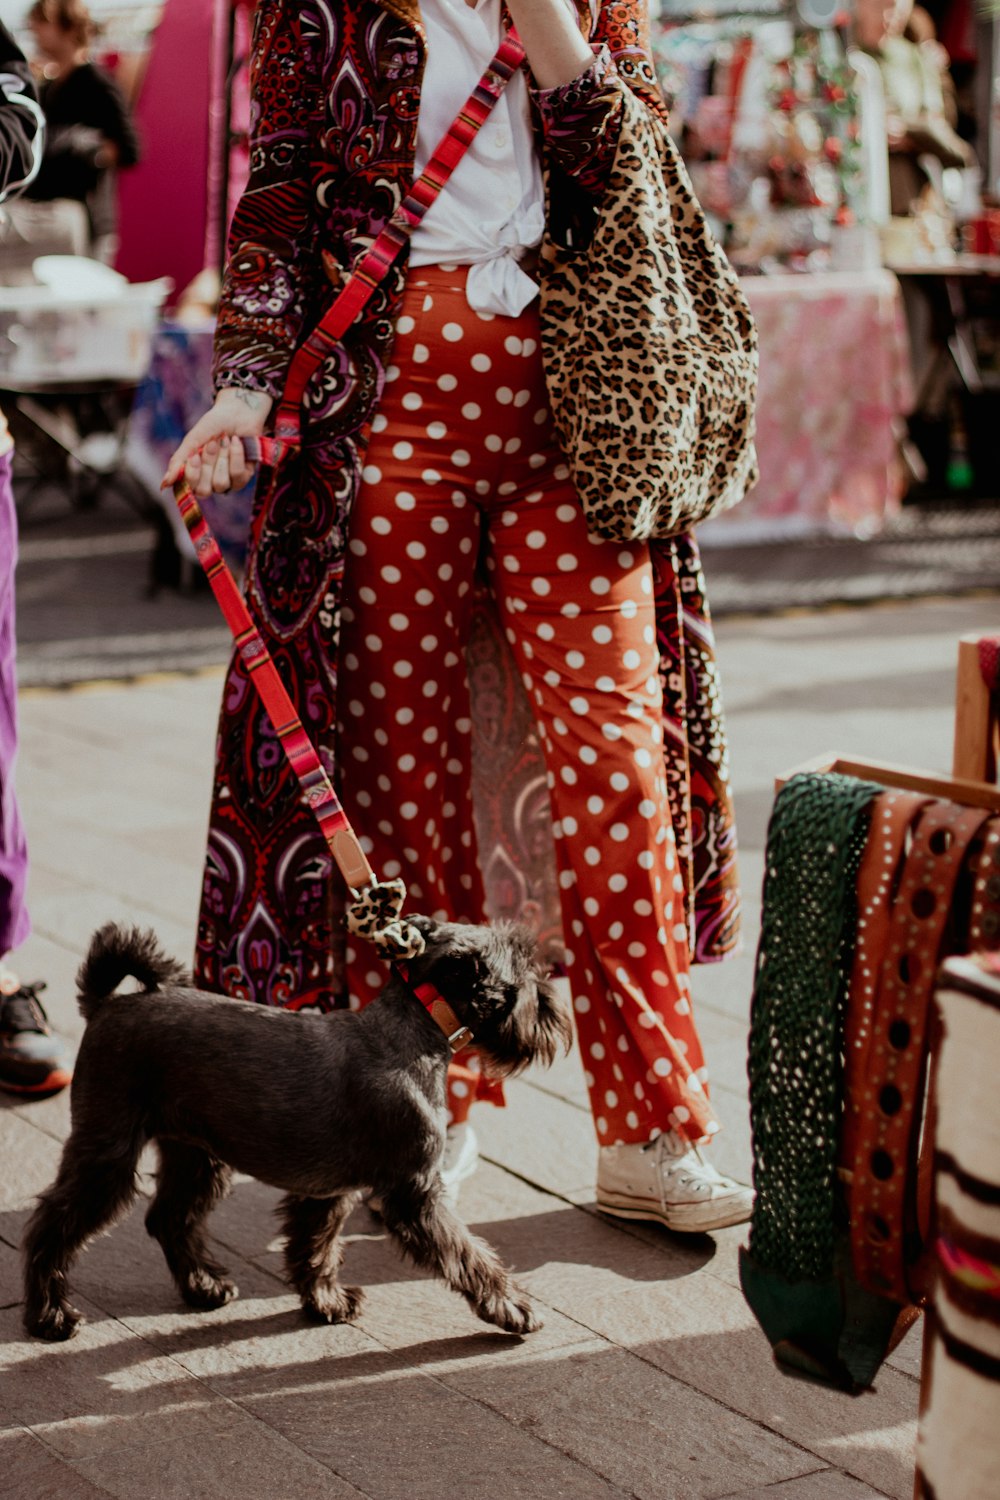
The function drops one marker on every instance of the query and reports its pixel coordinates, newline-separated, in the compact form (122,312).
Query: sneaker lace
(700,1175)
(23,1011)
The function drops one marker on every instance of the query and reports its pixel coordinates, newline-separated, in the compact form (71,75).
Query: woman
(90,135)
(430,444)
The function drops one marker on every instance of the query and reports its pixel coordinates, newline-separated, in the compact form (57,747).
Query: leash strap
(317,788)
(375,264)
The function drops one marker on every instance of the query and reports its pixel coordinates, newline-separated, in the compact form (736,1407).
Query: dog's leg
(90,1192)
(437,1241)
(188,1185)
(313,1252)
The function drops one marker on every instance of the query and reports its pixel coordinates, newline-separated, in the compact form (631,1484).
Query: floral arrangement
(816,157)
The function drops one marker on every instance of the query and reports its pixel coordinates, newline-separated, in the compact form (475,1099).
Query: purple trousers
(14,924)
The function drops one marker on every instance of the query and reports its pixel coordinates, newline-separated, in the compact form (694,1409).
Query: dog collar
(459,1035)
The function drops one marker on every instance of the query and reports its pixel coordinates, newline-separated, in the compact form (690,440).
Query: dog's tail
(116,952)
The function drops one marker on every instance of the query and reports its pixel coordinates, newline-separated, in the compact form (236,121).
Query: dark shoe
(32,1060)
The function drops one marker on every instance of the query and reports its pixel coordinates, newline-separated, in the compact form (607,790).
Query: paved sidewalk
(650,1378)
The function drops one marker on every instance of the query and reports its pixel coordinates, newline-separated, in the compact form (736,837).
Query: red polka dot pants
(464,464)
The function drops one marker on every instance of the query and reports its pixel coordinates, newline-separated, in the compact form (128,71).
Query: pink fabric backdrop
(169,203)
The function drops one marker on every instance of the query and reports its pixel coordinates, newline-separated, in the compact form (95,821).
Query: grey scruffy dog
(325,1107)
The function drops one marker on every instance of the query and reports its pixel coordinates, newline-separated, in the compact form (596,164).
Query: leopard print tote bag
(650,350)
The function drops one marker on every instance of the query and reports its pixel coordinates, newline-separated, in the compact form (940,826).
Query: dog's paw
(205,1291)
(339,1304)
(57,1324)
(514,1314)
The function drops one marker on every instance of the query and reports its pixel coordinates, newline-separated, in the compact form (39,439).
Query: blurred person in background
(72,204)
(916,111)
(32,1061)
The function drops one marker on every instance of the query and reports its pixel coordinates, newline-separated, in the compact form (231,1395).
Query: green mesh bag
(796,1273)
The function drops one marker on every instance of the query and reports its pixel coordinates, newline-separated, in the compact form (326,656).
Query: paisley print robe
(336,92)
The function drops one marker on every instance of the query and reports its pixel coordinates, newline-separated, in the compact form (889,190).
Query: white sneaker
(460,1160)
(668,1181)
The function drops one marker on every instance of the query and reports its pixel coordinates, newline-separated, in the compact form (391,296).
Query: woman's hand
(211,456)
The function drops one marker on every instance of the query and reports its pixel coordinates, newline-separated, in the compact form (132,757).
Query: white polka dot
(569,826)
(611,1098)
(436,431)
(512,344)
(645,860)
(408,810)
(592,855)
(643,757)
(663,1067)
(461,459)
(416,550)
(390,574)
(405,324)
(493,443)
(566,562)
(600,585)
(541,586)
(405,501)
(471,412)
(453,332)
(421,354)
(647,808)
(403,668)
(399,622)
(575,660)
(522,398)
(412,401)
(505,395)
(631,659)
(371,474)
(481,362)
(447,382)
(402,451)
(379,422)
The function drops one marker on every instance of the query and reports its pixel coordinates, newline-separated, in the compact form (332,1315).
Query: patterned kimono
(336,92)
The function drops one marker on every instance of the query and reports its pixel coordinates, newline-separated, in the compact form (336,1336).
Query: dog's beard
(538,1027)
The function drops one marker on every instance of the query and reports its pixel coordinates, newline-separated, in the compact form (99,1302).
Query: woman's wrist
(556,49)
(251,403)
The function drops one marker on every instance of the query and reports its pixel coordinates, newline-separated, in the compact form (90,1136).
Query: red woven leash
(372,269)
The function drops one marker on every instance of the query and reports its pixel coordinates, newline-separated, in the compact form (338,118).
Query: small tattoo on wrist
(252,399)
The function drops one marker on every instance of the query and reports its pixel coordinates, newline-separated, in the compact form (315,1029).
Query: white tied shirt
(492,209)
